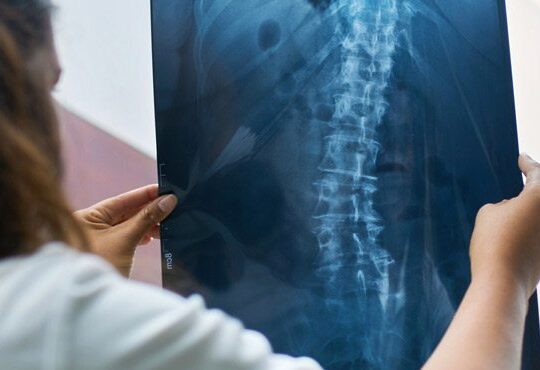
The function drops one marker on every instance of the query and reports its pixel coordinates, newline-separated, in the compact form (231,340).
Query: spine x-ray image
(330,157)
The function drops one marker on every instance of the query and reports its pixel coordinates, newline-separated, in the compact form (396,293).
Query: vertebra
(345,221)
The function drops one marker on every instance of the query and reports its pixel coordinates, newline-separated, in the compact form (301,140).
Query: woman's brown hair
(33,209)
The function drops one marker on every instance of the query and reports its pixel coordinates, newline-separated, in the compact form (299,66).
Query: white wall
(524,24)
(105,48)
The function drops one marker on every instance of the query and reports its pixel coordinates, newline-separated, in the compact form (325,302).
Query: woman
(64,309)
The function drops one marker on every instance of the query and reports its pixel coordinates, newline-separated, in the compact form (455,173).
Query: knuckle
(98,215)
(80,215)
(485,210)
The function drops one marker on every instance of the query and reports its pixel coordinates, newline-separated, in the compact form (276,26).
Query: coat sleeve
(112,323)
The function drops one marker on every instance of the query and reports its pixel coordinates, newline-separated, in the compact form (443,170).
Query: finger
(120,208)
(155,232)
(530,168)
(151,215)
(146,240)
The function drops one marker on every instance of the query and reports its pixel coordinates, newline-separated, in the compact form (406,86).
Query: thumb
(152,214)
(530,168)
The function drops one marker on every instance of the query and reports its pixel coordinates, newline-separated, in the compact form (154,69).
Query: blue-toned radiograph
(330,157)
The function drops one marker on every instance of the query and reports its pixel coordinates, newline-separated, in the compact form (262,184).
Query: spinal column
(345,221)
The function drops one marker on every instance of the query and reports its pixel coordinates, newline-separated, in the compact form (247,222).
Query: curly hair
(33,208)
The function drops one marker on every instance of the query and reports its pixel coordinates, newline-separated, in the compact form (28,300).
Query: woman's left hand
(116,226)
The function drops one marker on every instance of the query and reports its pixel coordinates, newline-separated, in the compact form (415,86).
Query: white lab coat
(60,309)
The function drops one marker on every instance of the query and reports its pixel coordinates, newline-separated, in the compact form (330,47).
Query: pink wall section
(98,166)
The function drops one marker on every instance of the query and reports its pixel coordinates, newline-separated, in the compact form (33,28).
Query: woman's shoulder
(54,263)
(59,297)
(60,278)
(64,272)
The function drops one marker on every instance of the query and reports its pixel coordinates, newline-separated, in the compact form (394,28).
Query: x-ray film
(330,157)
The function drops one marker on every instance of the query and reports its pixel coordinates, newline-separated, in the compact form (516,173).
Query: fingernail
(526,155)
(168,203)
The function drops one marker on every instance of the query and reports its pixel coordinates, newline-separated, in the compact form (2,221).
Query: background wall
(524,24)
(105,48)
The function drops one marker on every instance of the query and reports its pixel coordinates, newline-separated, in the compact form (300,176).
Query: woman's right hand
(506,239)
(116,226)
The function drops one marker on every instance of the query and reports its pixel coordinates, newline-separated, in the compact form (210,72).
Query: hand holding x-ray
(116,226)
(506,238)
